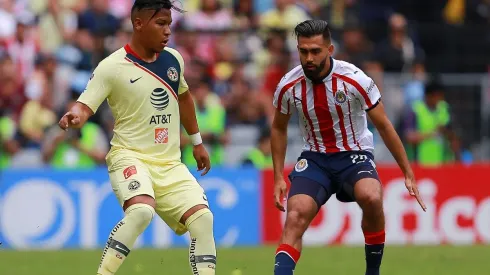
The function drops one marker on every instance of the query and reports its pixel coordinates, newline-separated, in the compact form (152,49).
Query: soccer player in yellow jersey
(145,87)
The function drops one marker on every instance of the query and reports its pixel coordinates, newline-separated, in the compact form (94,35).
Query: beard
(314,73)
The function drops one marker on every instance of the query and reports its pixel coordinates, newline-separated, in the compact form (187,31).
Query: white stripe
(282,251)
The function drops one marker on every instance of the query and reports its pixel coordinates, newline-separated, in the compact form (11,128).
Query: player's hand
(280,189)
(413,190)
(202,159)
(69,120)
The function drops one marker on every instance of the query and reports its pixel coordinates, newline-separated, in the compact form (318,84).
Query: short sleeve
(183,87)
(282,101)
(99,87)
(367,91)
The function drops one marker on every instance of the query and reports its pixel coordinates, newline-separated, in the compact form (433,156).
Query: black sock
(374,254)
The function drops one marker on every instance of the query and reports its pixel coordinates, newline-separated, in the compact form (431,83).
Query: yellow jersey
(143,98)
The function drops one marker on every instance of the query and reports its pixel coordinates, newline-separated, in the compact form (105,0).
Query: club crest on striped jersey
(301,165)
(341,97)
(159,99)
(172,74)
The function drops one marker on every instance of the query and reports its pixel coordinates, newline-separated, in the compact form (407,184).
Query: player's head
(434,93)
(264,141)
(314,46)
(151,22)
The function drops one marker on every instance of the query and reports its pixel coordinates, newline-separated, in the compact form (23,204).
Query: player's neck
(143,53)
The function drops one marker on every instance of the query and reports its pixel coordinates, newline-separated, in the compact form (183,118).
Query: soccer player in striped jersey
(332,99)
(144,85)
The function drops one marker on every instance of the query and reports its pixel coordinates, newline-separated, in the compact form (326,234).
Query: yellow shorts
(173,187)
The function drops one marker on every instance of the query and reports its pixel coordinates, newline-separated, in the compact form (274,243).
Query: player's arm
(98,89)
(370,98)
(395,145)
(76,117)
(279,136)
(188,113)
(390,137)
(188,119)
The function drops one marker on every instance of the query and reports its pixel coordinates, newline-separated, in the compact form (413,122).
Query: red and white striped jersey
(332,113)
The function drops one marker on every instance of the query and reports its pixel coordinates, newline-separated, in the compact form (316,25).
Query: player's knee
(201,222)
(296,221)
(370,199)
(140,215)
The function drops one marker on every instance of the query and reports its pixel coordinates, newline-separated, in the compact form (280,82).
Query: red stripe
(307,115)
(155,76)
(358,87)
(129,50)
(324,118)
(283,91)
(289,250)
(350,120)
(340,114)
(375,237)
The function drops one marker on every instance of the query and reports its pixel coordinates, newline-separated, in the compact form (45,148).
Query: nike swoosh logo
(133,81)
(299,99)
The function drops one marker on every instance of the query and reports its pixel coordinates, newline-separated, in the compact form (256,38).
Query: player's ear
(137,24)
(331,49)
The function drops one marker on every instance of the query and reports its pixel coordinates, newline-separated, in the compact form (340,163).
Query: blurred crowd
(235,52)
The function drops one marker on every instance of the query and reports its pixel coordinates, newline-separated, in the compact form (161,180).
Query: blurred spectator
(189,46)
(273,52)
(429,131)
(355,48)
(98,20)
(12,96)
(39,112)
(24,48)
(260,157)
(7,20)
(245,16)
(286,15)
(211,118)
(8,145)
(77,148)
(56,25)
(210,17)
(398,53)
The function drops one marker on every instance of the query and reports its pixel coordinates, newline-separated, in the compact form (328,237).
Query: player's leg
(135,193)
(202,250)
(368,194)
(360,182)
(306,196)
(183,206)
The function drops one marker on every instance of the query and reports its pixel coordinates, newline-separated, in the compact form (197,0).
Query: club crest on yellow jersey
(172,74)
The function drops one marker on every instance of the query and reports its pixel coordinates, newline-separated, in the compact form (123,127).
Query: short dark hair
(155,5)
(311,28)
(434,87)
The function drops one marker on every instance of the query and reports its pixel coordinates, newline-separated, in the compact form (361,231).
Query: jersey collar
(133,53)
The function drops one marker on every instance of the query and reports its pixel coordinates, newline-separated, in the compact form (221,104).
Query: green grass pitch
(447,260)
